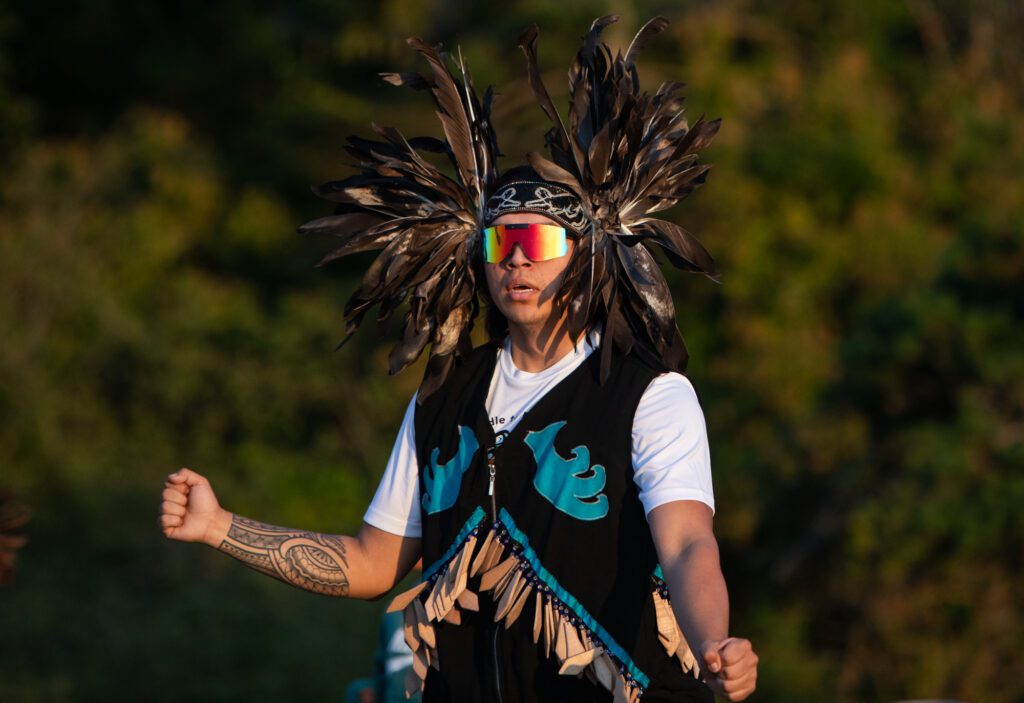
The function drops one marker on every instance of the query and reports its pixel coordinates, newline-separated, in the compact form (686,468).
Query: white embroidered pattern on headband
(562,205)
(571,210)
(506,201)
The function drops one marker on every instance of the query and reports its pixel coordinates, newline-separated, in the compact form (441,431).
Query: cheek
(558,272)
(554,279)
(493,275)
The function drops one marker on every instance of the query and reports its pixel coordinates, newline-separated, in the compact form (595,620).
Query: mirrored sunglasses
(539,242)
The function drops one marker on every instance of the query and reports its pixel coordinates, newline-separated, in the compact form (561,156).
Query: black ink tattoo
(309,560)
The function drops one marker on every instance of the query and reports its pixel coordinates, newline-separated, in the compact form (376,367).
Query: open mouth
(520,292)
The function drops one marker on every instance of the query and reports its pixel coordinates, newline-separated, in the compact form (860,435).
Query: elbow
(374,588)
(702,550)
(378,592)
(362,594)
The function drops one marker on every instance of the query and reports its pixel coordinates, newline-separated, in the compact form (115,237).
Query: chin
(528,318)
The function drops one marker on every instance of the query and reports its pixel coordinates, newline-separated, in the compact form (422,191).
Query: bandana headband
(543,198)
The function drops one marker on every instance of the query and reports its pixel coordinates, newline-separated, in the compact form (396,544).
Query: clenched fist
(730,667)
(189,510)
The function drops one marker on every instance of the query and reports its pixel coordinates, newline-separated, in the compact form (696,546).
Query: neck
(534,349)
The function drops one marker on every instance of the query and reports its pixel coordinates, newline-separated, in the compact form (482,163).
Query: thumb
(712,660)
(186,476)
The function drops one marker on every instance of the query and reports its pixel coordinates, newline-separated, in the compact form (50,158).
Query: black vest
(563,499)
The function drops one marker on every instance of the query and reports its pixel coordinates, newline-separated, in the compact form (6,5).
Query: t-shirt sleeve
(671,457)
(395,507)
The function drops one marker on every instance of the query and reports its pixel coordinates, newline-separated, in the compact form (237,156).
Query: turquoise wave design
(442,481)
(562,481)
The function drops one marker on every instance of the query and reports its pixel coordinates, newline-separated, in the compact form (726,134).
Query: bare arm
(688,553)
(365,566)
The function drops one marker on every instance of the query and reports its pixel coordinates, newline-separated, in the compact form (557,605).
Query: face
(524,290)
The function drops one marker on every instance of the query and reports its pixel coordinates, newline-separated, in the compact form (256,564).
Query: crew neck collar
(579,352)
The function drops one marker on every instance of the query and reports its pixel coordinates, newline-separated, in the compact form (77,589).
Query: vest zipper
(497,670)
(491,472)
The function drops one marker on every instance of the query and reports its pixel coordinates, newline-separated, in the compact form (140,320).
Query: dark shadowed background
(861,368)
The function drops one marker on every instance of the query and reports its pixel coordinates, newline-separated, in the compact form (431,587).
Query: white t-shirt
(671,457)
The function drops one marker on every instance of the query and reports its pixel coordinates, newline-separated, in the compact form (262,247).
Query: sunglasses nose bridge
(517,257)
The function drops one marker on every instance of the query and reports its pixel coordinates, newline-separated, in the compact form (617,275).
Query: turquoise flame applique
(442,481)
(562,481)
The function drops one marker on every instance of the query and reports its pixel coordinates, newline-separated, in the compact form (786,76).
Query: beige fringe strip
(671,635)
(508,580)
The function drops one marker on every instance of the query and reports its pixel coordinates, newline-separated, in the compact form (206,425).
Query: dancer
(555,480)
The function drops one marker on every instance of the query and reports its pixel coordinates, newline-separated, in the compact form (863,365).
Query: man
(561,498)
(370,564)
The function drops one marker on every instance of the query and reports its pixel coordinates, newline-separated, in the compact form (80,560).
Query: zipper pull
(491,471)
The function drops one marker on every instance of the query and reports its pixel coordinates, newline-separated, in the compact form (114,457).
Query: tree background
(859,370)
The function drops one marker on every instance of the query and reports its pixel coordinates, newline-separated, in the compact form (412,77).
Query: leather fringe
(670,634)
(446,593)
(516,588)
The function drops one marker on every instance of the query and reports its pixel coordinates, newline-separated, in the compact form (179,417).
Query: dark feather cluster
(426,222)
(626,154)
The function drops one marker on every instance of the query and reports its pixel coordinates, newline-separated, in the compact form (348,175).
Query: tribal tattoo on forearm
(310,560)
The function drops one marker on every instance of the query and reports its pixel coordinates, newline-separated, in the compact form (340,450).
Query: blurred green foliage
(861,367)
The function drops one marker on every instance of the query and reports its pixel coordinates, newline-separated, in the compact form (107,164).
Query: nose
(517,259)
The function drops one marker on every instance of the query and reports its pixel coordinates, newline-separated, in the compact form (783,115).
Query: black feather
(628,154)
(425,222)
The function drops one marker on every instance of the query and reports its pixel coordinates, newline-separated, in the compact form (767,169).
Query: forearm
(697,588)
(316,562)
(688,553)
(333,565)
(312,561)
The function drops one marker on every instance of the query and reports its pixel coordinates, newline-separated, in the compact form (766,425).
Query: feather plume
(627,154)
(424,222)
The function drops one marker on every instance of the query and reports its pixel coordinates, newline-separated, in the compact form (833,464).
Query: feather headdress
(626,154)
(426,222)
